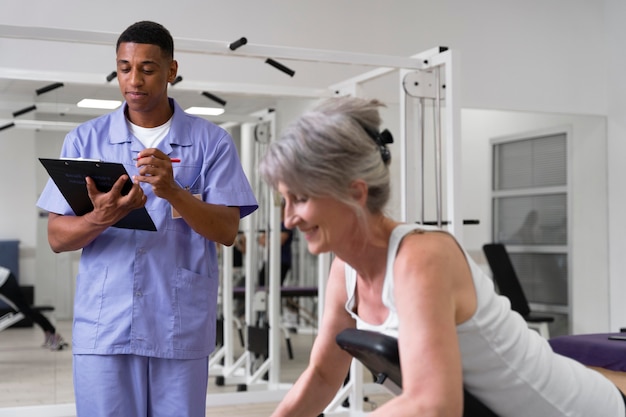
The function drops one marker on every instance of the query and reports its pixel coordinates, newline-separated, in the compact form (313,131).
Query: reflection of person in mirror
(145,303)
(10,289)
(529,231)
(286,238)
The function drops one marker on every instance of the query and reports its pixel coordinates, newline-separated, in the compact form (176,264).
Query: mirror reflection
(533,237)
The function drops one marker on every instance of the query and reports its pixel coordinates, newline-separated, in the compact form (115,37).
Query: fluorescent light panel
(99,104)
(113,104)
(205,111)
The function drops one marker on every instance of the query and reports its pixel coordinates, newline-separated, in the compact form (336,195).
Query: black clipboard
(69,176)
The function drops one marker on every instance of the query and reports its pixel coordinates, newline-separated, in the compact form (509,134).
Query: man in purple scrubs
(145,303)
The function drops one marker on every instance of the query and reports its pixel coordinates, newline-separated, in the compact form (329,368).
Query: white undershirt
(150,137)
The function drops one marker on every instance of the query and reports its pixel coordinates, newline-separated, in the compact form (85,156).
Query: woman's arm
(433,292)
(328,364)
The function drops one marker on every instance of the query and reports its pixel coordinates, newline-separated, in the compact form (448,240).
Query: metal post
(437,135)
(249,226)
(273,282)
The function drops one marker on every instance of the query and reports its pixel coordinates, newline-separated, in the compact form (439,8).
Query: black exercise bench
(379,353)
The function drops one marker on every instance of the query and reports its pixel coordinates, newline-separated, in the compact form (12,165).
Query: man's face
(143,73)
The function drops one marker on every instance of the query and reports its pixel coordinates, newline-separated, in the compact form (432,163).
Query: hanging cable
(438,165)
(420,118)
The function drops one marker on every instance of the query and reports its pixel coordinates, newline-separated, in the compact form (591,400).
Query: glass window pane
(536,162)
(531,220)
(543,277)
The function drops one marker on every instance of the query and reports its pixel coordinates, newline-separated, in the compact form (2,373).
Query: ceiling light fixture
(205,111)
(176,80)
(238,43)
(111,76)
(91,103)
(214,98)
(8,125)
(24,110)
(280,67)
(47,88)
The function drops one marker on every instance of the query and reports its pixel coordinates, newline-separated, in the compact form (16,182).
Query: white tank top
(509,367)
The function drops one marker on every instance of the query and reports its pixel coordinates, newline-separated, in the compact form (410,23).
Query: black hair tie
(382,139)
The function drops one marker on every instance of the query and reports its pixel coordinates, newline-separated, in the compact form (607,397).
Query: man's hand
(112,206)
(155,168)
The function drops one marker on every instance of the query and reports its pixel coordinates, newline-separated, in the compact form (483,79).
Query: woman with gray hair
(412,282)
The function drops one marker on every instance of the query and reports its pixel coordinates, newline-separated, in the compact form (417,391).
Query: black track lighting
(47,88)
(24,110)
(7,126)
(280,67)
(214,98)
(238,43)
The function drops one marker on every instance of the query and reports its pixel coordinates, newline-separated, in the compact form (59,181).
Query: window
(529,197)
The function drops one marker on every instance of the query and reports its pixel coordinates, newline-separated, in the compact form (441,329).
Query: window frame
(536,191)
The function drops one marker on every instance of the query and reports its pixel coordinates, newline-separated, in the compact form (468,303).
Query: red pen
(171,159)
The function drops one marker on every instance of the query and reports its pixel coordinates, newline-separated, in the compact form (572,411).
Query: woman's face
(323,221)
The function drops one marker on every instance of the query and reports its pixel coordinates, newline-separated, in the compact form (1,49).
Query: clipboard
(69,176)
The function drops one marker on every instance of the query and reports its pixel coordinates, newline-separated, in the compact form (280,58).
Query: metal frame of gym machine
(426,78)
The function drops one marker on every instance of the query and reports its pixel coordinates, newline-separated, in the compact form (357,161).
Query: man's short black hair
(149,33)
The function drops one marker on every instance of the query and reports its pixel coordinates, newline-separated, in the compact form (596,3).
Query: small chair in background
(509,286)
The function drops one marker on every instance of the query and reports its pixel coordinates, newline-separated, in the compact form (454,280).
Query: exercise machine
(379,353)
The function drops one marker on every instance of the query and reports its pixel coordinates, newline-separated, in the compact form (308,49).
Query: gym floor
(31,375)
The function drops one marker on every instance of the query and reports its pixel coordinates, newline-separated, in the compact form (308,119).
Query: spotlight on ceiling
(7,126)
(280,67)
(24,110)
(111,76)
(47,88)
(214,98)
(238,43)
(176,80)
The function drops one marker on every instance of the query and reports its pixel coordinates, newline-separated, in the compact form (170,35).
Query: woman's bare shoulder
(429,242)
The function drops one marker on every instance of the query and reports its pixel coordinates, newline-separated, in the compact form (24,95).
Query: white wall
(18,195)
(588,231)
(616,36)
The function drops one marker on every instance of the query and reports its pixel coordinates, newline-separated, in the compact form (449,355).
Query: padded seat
(379,353)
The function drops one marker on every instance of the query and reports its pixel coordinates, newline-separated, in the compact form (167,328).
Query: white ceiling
(59,105)
(241,77)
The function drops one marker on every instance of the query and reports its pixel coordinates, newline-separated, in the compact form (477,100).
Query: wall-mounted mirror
(22,178)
